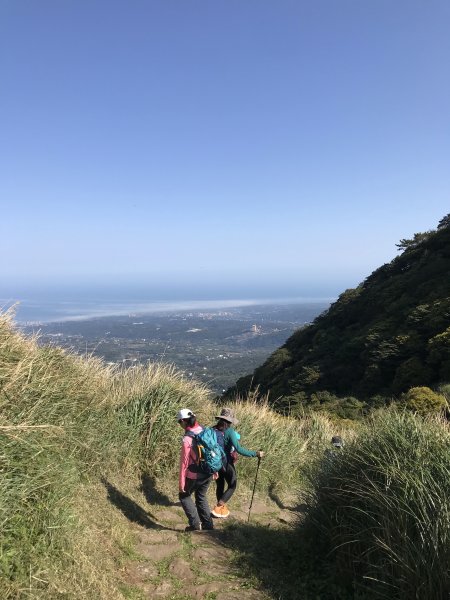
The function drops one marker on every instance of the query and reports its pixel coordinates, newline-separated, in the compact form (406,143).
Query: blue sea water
(59,303)
(30,310)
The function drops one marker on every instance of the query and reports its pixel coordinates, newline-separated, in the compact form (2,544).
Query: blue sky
(285,145)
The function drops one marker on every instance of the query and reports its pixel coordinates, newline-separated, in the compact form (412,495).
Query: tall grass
(65,421)
(289,444)
(146,400)
(382,509)
(52,411)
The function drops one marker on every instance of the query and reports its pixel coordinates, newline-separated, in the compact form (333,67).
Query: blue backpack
(209,450)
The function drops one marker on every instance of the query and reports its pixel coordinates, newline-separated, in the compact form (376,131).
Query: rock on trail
(173,564)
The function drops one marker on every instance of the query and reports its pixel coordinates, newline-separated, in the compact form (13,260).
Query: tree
(411,372)
(418,238)
(444,222)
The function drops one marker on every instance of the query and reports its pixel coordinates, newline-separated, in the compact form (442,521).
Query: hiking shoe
(220,512)
(193,528)
(217,512)
(208,527)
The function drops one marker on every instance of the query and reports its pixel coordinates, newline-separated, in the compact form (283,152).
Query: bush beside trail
(381,509)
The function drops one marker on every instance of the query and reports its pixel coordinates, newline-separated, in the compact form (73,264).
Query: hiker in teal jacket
(228,474)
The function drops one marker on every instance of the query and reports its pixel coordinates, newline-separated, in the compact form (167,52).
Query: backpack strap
(191,434)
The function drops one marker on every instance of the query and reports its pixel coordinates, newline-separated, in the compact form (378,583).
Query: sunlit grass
(380,512)
(67,420)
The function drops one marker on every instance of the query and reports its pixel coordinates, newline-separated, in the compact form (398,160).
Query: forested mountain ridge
(390,333)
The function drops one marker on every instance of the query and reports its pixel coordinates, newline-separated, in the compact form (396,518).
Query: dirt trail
(173,565)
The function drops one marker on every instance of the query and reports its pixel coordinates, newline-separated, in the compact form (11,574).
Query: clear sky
(285,144)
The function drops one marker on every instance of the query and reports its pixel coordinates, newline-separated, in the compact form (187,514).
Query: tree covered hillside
(387,335)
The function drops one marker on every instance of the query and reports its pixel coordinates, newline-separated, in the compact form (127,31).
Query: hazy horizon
(42,309)
(104,297)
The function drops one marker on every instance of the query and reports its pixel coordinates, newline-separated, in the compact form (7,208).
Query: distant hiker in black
(337,443)
(228,474)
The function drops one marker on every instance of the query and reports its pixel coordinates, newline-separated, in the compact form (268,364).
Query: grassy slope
(66,424)
(377,519)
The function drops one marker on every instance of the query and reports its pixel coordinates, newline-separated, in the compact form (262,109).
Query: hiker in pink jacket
(191,481)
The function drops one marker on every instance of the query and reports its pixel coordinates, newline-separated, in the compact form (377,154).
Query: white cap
(185,413)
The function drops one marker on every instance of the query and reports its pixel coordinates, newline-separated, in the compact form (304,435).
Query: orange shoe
(217,511)
(220,512)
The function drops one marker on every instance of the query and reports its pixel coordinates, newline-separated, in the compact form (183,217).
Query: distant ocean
(47,311)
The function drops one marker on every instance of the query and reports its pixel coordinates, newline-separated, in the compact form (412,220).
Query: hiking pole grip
(254,488)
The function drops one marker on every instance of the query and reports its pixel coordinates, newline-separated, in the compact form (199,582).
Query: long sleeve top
(231,443)
(188,457)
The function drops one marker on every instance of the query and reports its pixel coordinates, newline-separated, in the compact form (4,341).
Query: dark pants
(199,512)
(228,475)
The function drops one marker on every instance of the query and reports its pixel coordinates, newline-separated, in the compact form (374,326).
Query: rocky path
(174,565)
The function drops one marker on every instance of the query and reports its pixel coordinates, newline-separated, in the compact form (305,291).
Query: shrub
(380,509)
(445,390)
(423,401)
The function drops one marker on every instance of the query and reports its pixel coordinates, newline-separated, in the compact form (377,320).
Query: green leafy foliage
(387,335)
(424,401)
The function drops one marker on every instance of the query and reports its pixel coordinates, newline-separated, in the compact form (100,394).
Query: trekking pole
(254,488)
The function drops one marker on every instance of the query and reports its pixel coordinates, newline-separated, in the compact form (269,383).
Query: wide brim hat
(227,414)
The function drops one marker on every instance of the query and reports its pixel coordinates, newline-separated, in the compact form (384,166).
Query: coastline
(31,312)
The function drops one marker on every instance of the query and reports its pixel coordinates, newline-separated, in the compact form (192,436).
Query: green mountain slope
(390,333)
